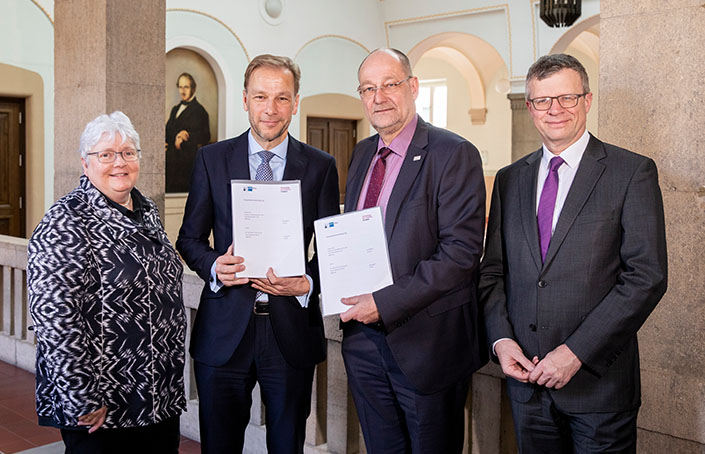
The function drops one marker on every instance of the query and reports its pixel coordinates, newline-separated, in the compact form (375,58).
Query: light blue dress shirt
(277,163)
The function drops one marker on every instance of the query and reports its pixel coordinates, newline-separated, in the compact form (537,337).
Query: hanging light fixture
(560,13)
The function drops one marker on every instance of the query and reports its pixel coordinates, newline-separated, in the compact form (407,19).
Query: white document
(353,257)
(268,227)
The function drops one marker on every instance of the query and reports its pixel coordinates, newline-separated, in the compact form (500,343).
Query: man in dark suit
(256,330)
(574,263)
(410,348)
(186,131)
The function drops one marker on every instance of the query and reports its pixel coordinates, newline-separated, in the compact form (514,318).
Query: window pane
(423,103)
(440,105)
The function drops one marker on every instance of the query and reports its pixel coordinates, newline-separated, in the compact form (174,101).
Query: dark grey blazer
(605,271)
(434,225)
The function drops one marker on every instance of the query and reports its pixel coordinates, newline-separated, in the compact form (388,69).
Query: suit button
(543,284)
(532,327)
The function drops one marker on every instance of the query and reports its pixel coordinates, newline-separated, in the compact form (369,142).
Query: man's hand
(282,286)
(364,309)
(94,419)
(227,266)
(556,369)
(514,363)
(182,136)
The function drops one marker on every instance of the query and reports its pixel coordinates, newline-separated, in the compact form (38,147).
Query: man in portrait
(187,130)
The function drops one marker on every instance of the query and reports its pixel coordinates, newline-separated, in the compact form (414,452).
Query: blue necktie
(264,173)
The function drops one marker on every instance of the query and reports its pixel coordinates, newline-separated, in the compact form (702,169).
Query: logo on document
(329,225)
(247,189)
(285,189)
(366,217)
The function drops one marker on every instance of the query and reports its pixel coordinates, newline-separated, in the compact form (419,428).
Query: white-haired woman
(105,296)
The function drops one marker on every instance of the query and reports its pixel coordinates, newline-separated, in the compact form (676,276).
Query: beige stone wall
(652,88)
(109,55)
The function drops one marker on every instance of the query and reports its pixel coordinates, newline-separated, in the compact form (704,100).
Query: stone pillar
(109,55)
(525,139)
(651,102)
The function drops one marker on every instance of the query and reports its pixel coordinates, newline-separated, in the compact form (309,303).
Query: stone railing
(332,427)
(16,341)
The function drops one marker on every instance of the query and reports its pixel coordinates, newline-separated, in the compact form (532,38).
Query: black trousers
(225,395)
(395,417)
(160,438)
(542,427)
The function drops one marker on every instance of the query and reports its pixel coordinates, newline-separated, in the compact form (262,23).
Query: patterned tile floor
(18,422)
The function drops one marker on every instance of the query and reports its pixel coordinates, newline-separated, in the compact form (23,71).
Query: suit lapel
(528,175)
(295,161)
(407,174)
(352,193)
(585,180)
(237,159)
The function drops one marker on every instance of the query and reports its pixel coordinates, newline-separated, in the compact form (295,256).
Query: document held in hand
(353,257)
(268,227)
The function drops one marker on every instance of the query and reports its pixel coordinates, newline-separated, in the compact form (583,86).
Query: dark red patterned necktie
(374,187)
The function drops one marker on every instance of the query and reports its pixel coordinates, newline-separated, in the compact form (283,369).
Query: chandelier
(560,13)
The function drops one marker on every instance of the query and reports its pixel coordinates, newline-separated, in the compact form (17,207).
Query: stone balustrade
(332,427)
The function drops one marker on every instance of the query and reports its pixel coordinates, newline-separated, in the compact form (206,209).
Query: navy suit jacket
(222,317)
(604,272)
(434,226)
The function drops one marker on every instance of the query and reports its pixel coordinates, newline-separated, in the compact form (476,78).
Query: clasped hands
(554,371)
(228,265)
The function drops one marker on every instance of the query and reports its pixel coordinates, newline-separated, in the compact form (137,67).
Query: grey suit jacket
(605,271)
(434,226)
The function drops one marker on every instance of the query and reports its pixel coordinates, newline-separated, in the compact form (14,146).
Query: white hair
(104,128)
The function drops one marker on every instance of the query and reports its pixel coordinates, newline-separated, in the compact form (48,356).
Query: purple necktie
(374,187)
(547,203)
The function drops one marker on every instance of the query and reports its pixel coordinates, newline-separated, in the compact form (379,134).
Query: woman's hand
(94,419)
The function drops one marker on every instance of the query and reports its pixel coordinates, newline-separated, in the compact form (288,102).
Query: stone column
(525,139)
(651,102)
(109,55)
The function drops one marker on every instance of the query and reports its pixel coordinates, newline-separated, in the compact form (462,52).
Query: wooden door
(337,137)
(12,179)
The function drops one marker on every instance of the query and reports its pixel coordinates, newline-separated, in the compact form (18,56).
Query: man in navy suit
(410,348)
(256,330)
(575,262)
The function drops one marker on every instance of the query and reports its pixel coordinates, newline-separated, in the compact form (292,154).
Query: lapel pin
(417,158)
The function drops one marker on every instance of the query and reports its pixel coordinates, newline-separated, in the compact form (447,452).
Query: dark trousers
(395,418)
(542,427)
(160,438)
(225,395)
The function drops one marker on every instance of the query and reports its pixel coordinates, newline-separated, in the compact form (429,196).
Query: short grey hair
(105,127)
(548,65)
(396,53)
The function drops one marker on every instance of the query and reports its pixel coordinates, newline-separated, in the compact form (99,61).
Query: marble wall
(109,55)
(652,87)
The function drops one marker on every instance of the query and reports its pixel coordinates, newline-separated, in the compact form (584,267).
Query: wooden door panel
(12,211)
(336,137)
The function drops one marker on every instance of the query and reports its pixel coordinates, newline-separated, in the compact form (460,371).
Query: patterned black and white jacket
(105,295)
